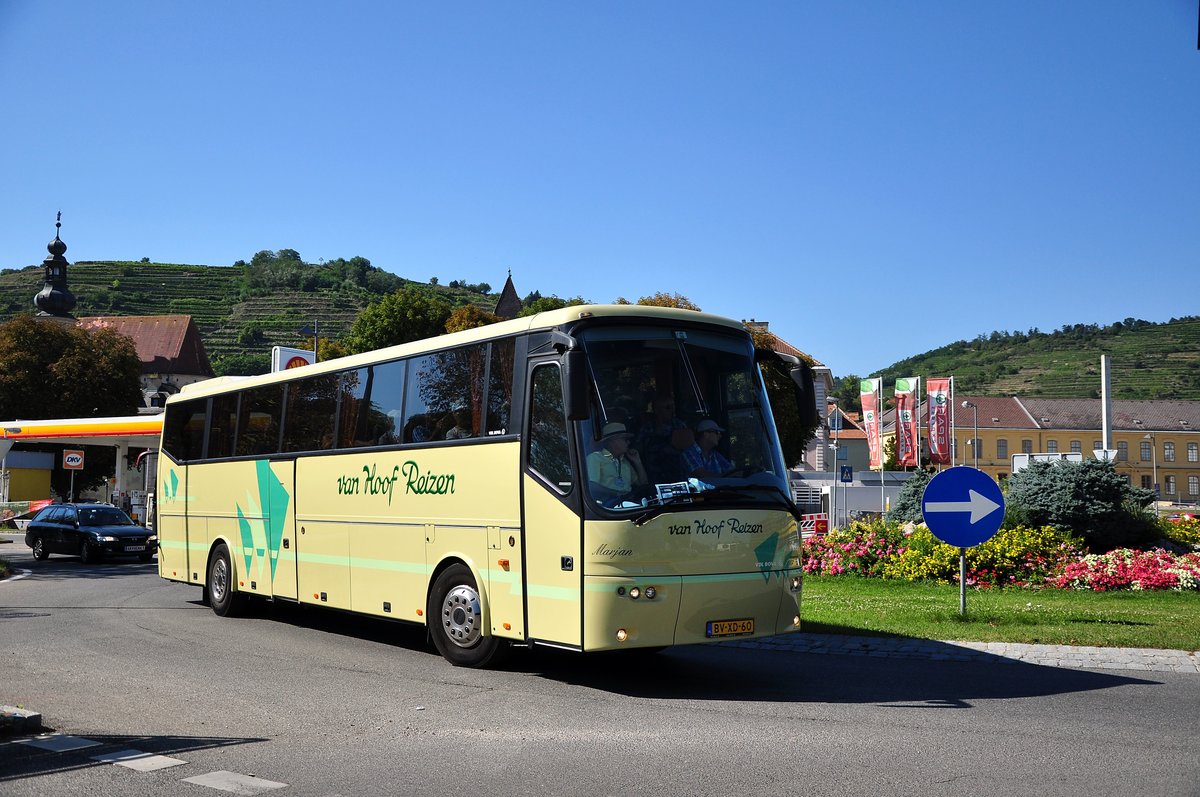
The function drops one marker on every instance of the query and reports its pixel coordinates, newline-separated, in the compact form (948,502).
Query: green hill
(1149,361)
(242,310)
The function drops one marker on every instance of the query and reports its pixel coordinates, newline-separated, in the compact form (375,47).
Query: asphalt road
(299,701)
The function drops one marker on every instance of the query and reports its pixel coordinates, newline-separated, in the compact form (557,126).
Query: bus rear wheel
(222,597)
(456,620)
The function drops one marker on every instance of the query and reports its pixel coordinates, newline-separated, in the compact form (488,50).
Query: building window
(1123,451)
(1027,446)
(1146,485)
(1097,445)
(1168,452)
(1193,486)
(1170,485)
(1002,449)
(1193,452)
(1051,446)
(1145,451)
(1076,446)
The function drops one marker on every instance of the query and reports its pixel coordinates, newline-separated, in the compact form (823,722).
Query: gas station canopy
(134,431)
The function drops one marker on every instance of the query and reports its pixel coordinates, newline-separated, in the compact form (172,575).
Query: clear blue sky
(874,179)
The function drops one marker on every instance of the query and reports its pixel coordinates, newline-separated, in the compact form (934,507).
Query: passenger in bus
(462,425)
(702,459)
(615,468)
(417,429)
(661,439)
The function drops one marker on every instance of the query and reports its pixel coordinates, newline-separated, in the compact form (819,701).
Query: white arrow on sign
(980,506)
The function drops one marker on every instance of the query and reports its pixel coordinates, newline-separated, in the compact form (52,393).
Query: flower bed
(1134,570)
(1020,557)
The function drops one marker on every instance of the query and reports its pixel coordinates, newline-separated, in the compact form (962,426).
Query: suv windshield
(677,414)
(103,516)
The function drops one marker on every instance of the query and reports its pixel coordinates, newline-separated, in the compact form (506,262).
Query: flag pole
(882,458)
(953,427)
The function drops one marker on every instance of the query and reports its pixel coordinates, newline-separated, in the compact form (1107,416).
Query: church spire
(55,300)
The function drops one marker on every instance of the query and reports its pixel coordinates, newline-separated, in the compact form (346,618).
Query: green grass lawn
(878,607)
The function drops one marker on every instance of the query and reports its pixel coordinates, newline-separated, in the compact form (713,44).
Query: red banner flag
(907,442)
(868,392)
(937,396)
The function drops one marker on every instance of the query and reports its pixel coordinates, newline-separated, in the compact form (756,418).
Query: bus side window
(548,432)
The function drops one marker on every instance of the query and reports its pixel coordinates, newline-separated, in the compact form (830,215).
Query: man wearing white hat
(615,469)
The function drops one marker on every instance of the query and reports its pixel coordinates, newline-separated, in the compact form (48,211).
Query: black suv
(88,531)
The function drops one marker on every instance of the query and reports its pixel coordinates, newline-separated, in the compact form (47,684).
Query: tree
(663,299)
(846,391)
(781,393)
(907,508)
(1087,498)
(49,370)
(468,317)
(544,304)
(406,315)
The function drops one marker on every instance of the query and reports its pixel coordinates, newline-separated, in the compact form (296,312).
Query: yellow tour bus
(592,478)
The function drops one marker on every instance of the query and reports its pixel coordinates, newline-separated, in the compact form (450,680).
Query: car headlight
(106,538)
(152,538)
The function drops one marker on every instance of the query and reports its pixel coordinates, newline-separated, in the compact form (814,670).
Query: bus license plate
(132,548)
(716,628)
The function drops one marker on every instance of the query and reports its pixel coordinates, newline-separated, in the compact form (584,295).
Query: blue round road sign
(963,506)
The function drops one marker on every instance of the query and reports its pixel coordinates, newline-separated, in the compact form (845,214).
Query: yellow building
(1155,441)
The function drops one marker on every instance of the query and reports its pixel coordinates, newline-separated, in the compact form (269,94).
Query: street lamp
(969,405)
(837,429)
(312,329)
(1153,469)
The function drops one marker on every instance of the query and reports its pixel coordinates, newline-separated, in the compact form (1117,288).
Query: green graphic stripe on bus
(273,494)
(766,555)
(170,489)
(600,585)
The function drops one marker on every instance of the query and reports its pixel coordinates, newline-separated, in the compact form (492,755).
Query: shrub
(1089,499)
(1019,556)
(908,502)
(1135,570)
(860,549)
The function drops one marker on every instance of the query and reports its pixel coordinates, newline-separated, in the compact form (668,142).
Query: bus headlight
(622,635)
(650,593)
(635,593)
(795,583)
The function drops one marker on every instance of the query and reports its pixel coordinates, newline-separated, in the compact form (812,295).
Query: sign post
(960,507)
(72,461)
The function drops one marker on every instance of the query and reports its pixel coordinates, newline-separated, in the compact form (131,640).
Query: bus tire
(223,597)
(456,620)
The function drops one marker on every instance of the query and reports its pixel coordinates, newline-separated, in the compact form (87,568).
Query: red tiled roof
(164,343)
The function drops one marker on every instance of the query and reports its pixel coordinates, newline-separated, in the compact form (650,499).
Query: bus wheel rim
(220,580)
(461,615)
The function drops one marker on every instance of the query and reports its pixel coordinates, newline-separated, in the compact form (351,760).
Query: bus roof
(547,320)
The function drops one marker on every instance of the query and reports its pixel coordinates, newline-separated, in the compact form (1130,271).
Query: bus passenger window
(548,432)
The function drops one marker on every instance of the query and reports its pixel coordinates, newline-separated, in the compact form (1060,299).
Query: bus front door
(552,526)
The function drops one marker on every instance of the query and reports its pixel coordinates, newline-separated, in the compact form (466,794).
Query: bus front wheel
(222,597)
(456,620)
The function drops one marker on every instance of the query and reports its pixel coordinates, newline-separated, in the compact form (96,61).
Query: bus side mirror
(806,395)
(575,377)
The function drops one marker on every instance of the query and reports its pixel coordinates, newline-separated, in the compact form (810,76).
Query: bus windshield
(678,415)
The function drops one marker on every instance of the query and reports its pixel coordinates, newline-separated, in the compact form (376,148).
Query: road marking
(138,760)
(235,783)
(58,742)
(980,506)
